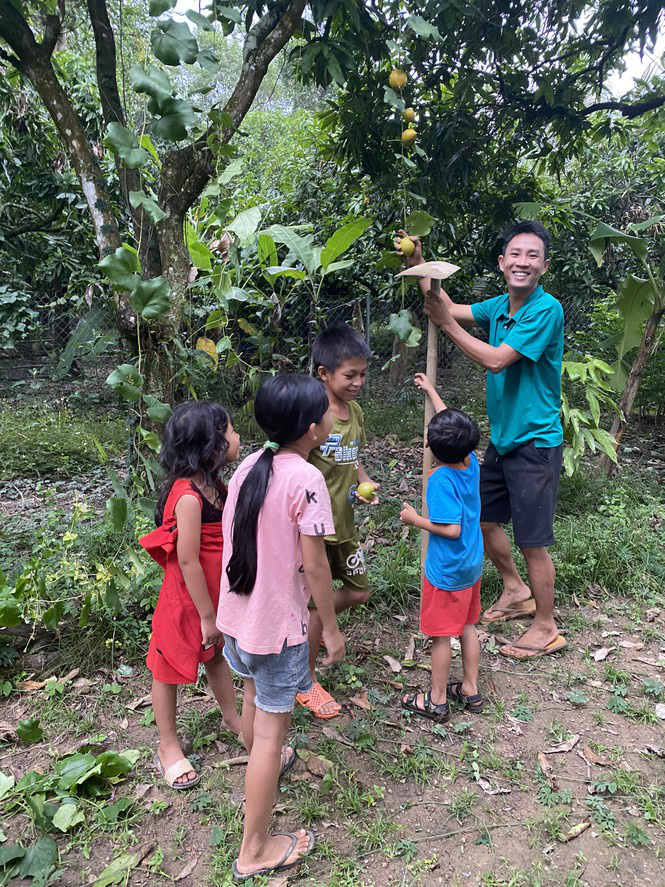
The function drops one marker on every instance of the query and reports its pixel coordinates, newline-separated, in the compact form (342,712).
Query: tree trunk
(644,353)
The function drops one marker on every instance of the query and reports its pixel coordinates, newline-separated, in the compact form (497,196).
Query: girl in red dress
(199,441)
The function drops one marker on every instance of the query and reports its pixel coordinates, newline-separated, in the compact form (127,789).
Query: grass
(39,442)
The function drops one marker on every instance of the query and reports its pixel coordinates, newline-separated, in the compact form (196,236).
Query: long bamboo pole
(430,370)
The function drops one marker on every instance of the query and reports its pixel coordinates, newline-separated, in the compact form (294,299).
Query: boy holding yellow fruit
(340,356)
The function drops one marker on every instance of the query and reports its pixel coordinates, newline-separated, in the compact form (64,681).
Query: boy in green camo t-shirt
(340,356)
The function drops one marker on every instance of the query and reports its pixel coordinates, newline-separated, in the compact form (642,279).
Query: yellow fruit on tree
(407,246)
(366,491)
(397,78)
(409,115)
(409,135)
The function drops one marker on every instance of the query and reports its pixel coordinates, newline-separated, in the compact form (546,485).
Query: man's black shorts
(522,485)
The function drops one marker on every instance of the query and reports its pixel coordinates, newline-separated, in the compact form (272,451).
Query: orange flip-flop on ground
(531,652)
(512,611)
(316,699)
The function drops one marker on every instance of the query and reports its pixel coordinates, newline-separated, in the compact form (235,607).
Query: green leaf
(388,259)
(157,411)
(146,142)
(117,508)
(231,171)
(604,234)
(245,224)
(29,730)
(423,28)
(301,248)
(172,43)
(636,299)
(342,239)
(157,7)
(401,326)
(419,223)
(176,117)
(127,381)
(39,859)
(67,816)
(393,99)
(276,271)
(209,61)
(74,769)
(11,854)
(528,210)
(111,596)
(52,616)
(150,207)
(151,298)
(125,145)
(339,266)
(266,249)
(7,783)
(201,20)
(152,82)
(122,268)
(641,226)
(150,439)
(10,611)
(118,871)
(198,251)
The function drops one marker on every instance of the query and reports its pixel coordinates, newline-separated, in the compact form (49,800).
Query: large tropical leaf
(341,240)
(173,43)
(300,248)
(125,145)
(245,224)
(604,234)
(151,298)
(150,207)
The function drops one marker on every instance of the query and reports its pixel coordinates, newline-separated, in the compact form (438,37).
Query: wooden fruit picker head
(436,271)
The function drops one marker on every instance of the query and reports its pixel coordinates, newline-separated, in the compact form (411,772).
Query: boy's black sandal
(438,713)
(474,703)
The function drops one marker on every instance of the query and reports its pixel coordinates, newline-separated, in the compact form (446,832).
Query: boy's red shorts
(447,613)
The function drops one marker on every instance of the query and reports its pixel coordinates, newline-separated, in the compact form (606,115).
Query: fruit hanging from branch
(397,78)
(408,115)
(409,136)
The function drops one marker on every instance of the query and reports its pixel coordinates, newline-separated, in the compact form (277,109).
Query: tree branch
(626,109)
(37,225)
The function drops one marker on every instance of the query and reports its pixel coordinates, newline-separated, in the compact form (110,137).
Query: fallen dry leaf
(546,767)
(654,750)
(141,702)
(331,733)
(602,654)
(631,645)
(277,882)
(361,700)
(610,634)
(566,746)
(410,651)
(7,730)
(188,869)
(30,686)
(660,711)
(575,831)
(593,758)
(652,614)
(395,666)
(74,673)
(486,786)
(400,618)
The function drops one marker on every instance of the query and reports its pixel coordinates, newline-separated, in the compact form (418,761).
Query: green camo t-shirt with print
(337,460)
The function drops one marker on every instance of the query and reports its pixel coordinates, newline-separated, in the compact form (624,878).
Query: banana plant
(641,301)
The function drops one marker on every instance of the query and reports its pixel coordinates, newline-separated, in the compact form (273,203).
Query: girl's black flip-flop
(474,703)
(282,865)
(439,713)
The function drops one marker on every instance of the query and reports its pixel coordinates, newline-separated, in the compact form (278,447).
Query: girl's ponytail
(285,407)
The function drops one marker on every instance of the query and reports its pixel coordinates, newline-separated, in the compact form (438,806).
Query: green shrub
(36,441)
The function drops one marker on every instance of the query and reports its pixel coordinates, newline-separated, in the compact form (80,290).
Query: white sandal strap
(176,770)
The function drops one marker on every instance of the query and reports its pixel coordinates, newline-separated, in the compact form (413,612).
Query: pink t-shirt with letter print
(296,503)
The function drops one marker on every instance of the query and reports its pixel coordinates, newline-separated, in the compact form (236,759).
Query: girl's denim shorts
(277,677)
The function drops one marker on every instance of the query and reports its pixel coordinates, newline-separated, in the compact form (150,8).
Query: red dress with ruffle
(176,646)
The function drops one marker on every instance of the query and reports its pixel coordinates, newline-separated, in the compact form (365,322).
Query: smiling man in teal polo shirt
(519,477)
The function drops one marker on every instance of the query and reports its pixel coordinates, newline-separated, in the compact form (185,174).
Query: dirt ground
(558,782)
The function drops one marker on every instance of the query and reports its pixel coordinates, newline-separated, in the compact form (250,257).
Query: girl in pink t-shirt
(276,516)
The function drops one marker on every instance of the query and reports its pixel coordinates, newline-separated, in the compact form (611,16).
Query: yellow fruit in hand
(409,115)
(365,491)
(407,246)
(409,135)
(397,79)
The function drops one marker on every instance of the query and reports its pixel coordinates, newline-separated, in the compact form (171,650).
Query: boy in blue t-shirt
(450,604)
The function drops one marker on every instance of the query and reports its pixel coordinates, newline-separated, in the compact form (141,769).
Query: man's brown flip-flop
(512,611)
(531,652)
